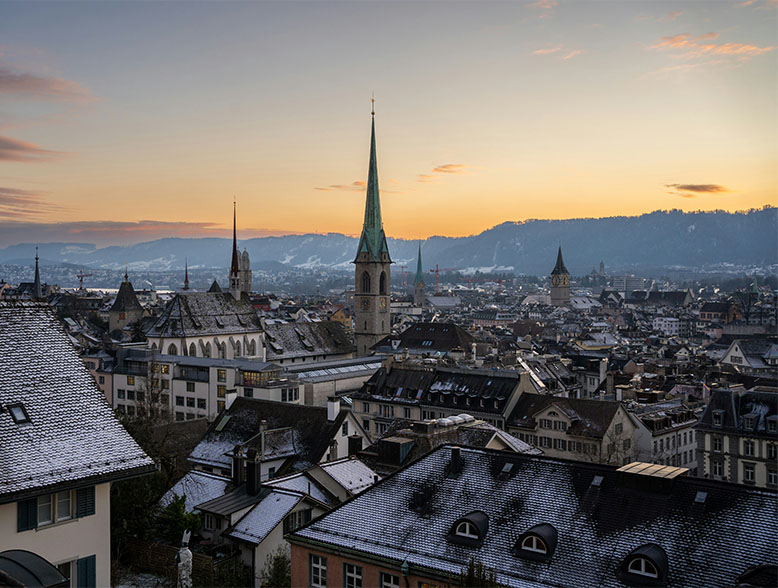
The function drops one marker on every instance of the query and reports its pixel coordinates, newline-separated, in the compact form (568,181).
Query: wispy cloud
(357,186)
(24,204)
(17,150)
(687,47)
(572,54)
(547,51)
(544,7)
(670,16)
(30,85)
(693,190)
(558,51)
(447,168)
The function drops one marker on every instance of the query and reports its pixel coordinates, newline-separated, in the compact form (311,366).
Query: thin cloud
(688,47)
(447,168)
(572,54)
(30,85)
(670,16)
(693,190)
(555,51)
(357,186)
(17,150)
(545,7)
(746,3)
(24,204)
(548,51)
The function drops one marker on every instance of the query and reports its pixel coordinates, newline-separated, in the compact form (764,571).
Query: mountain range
(658,239)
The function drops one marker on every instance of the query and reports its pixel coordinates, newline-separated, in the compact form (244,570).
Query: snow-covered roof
(351,473)
(257,523)
(197,487)
(72,434)
(301,482)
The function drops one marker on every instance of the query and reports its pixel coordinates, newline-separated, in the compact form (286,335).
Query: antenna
(372,104)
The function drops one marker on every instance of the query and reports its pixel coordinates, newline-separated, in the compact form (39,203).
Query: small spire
(419,281)
(235,267)
(372,105)
(37,290)
(186,274)
(126,276)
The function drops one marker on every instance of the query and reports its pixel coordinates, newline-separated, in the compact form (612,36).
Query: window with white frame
(748,448)
(772,451)
(317,571)
(545,423)
(716,469)
(466,529)
(717,444)
(352,576)
(643,567)
(748,472)
(54,508)
(772,477)
(389,580)
(535,544)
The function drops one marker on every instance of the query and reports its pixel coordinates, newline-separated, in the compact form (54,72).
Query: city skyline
(125,122)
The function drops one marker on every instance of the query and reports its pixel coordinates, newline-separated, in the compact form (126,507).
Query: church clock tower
(372,317)
(560,282)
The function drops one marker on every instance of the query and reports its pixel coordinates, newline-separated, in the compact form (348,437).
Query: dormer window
(537,543)
(748,421)
(470,530)
(772,423)
(718,418)
(645,566)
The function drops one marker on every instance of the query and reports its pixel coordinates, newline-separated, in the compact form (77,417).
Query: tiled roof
(194,314)
(711,531)
(196,487)
(590,418)
(256,524)
(73,435)
(429,337)
(758,404)
(305,339)
(350,473)
(126,300)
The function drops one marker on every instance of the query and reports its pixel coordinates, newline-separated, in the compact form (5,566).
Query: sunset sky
(123,122)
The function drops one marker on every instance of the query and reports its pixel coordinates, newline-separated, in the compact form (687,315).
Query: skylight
(18,413)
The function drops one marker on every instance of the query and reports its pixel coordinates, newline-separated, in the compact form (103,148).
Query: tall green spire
(373,239)
(419,281)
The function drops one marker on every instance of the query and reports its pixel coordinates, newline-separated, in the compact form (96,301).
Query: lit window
(534,544)
(221,375)
(130,380)
(643,567)
(221,391)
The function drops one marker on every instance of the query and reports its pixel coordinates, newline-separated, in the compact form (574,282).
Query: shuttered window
(26,514)
(85,501)
(87,572)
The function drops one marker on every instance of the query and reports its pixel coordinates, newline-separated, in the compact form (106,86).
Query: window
(545,441)
(366,425)
(190,402)
(86,571)
(365,407)
(248,392)
(545,423)
(102,381)
(220,405)
(66,569)
(344,429)
(386,410)
(221,375)
(407,413)
(179,416)
(295,520)
(772,424)
(190,386)
(130,380)
(18,413)
(716,469)
(718,418)
(748,472)
(560,426)
(772,477)
(352,576)
(317,568)
(748,448)
(165,384)
(382,283)
(179,401)
(290,394)
(717,442)
(772,451)
(618,428)
(467,529)
(749,422)
(533,543)
(365,282)
(164,368)
(141,396)
(201,403)
(130,394)
(208,521)
(164,399)
(643,567)
(560,444)
(120,394)
(221,391)
(389,580)
(627,444)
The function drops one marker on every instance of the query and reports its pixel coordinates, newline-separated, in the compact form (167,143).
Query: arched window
(534,543)
(365,282)
(237,348)
(172,349)
(193,350)
(153,346)
(253,348)
(222,350)
(643,567)
(467,529)
(382,283)
(207,352)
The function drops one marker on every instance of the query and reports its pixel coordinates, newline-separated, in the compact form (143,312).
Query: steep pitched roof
(192,314)
(126,300)
(373,240)
(72,435)
(711,531)
(419,279)
(287,340)
(589,418)
(559,268)
(760,404)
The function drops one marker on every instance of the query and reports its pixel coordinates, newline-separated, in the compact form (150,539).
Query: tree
(277,572)
(476,575)
(174,520)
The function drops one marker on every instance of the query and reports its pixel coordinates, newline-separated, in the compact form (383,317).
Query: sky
(124,122)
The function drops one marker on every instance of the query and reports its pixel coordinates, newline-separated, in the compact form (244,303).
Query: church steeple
(186,274)
(559,268)
(36,287)
(373,239)
(235,267)
(419,272)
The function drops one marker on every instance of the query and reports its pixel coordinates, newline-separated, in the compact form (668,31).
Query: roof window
(470,530)
(537,543)
(718,418)
(18,413)
(645,566)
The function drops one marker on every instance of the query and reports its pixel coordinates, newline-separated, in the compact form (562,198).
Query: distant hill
(657,239)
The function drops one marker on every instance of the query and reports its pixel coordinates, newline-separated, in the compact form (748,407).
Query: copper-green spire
(373,239)
(419,281)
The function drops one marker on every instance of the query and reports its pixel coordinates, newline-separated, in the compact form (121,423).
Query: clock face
(365,303)
(382,303)
(555,280)
(565,280)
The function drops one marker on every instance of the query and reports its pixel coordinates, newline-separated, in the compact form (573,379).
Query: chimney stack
(238,461)
(333,408)
(252,472)
(455,465)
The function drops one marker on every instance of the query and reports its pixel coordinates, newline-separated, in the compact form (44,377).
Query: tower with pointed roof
(37,291)
(419,296)
(372,317)
(560,282)
(240,268)
(186,274)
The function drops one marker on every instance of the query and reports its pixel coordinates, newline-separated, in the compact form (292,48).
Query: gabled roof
(126,300)
(286,340)
(429,338)
(73,436)
(310,430)
(759,404)
(711,531)
(589,418)
(197,487)
(192,314)
(256,524)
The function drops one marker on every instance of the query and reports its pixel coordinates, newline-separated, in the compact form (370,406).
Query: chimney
(238,461)
(252,472)
(229,398)
(262,429)
(455,465)
(603,368)
(354,444)
(333,408)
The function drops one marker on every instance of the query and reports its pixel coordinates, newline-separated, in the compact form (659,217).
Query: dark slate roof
(671,298)
(288,340)
(559,268)
(306,427)
(708,544)
(215,287)
(468,390)
(760,404)
(427,337)
(192,314)
(716,307)
(590,418)
(73,437)
(233,501)
(126,300)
